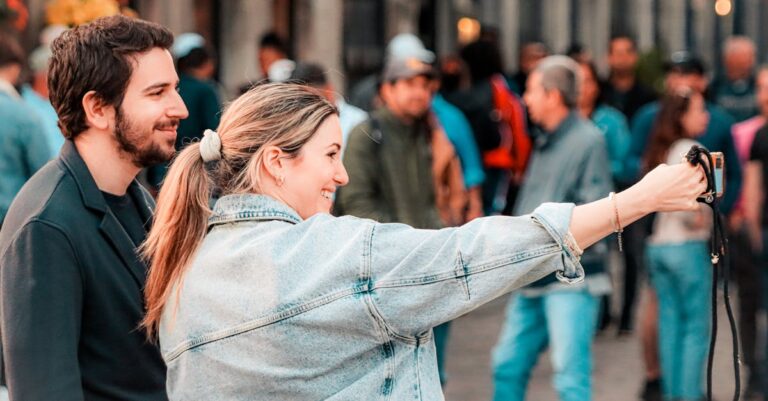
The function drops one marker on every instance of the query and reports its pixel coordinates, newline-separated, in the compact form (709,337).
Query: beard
(137,142)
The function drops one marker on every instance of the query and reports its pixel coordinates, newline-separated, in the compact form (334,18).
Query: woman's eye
(332,155)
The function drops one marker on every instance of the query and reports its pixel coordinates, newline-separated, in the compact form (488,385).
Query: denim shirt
(274,307)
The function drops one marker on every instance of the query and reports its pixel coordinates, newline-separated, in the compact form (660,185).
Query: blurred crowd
(438,141)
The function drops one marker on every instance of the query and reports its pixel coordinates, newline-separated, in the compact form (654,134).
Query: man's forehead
(156,64)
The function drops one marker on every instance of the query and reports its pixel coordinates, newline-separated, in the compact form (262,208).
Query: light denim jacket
(274,307)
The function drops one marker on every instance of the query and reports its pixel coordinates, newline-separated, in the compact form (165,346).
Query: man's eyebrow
(160,85)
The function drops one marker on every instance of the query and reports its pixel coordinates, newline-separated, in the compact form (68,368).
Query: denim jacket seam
(251,216)
(468,270)
(382,329)
(464,273)
(562,241)
(260,322)
(388,330)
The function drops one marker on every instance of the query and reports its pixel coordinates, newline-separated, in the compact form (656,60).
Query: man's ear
(97,114)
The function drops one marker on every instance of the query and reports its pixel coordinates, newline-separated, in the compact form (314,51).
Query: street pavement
(617,372)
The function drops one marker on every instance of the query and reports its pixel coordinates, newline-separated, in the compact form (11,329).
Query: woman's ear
(273,161)
(97,113)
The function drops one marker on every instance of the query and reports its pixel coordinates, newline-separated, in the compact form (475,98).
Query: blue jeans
(563,320)
(681,274)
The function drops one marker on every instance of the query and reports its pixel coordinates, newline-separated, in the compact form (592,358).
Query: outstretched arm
(666,188)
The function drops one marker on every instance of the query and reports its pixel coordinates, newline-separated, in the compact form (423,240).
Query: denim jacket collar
(251,207)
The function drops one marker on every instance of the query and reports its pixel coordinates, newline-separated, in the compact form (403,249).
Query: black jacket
(71,293)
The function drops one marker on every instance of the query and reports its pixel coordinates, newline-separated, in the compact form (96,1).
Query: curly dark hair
(98,57)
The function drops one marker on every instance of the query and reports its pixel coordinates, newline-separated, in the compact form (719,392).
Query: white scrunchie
(210,146)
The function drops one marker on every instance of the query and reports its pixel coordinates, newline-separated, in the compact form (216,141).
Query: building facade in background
(349,36)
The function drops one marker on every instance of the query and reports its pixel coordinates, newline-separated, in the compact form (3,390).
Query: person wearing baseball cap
(388,156)
(683,71)
(401,46)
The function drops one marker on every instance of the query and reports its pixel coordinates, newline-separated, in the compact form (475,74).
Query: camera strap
(700,156)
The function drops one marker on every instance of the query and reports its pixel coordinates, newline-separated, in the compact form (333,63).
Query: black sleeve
(41,296)
(758,152)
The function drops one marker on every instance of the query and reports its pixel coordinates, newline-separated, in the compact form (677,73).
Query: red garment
(515,148)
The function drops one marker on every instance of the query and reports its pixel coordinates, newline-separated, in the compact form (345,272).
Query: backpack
(498,122)
(515,144)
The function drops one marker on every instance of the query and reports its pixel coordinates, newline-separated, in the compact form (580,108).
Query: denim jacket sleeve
(422,278)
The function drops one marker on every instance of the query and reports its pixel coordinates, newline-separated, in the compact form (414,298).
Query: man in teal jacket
(685,70)
(23,146)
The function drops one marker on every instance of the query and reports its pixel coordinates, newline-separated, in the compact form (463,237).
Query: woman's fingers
(701,187)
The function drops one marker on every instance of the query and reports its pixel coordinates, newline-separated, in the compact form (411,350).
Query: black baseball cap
(684,62)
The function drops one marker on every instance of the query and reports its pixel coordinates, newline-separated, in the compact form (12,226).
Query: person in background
(683,70)
(530,55)
(569,164)
(271,48)
(498,121)
(460,134)
(623,90)
(23,145)
(611,122)
(35,94)
(745,255)
(615,129)
(389,156)
(364,94)
(314,75)
(197,66)
(579,53)
(678,254)
(734,91)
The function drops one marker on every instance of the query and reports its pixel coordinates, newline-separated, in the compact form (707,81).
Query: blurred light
(469,30)
(723,7)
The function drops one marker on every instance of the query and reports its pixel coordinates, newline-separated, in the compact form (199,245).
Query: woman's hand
(672,188)
(664,189)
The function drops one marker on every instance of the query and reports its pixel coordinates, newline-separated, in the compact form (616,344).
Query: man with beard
(70,277)
(389,156)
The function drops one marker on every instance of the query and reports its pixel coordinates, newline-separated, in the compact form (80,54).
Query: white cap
(39,58)
(185,43)
(407,45)
(281,70)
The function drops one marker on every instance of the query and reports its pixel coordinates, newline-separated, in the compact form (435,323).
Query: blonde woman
(269,297)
